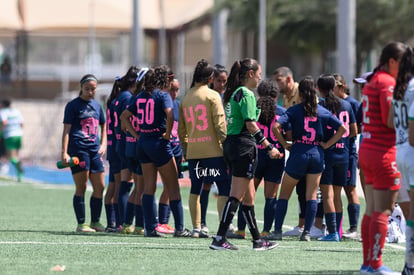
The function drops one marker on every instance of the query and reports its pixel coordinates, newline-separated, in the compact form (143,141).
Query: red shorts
(380,169)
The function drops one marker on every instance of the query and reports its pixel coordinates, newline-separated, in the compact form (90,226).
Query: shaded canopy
(80,15)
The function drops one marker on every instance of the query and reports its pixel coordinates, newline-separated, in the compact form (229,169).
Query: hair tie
(89,78)
(141,74)
(118,78)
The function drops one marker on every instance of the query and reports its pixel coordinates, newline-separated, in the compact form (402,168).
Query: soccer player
(80,138)
(377,157)
(306,158)
(240,151)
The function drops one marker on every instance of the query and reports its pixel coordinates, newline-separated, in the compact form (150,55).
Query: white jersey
(12,121)
(401,108)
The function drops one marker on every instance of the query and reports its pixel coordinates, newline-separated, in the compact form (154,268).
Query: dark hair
(218,69)
(340,82)
(283,71)
(203,72)
(123,83)
(237,75)
(326,85)
(392,50)
(6,102)
(405,73)
(86,78)
(268,91)
(307,92)
(161,77)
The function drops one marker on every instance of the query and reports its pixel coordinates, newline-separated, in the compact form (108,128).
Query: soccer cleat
(164,229)
(331,237)
(274,236)
(363,270)
(127,229)
(222,244)
(138,231)
(305,237)
(238,234)
(265,233)
(204,228)
(83,227)
(97,226)
(110,229)
(296,232)
(153,234)
(262,244)
(382,270)
(185,233)
(317,233)
(198,233)
(351,234)
(407,270)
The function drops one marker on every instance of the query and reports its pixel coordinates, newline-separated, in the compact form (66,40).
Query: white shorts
(405,164)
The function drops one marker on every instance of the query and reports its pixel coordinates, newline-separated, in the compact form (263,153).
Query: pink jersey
(376,100)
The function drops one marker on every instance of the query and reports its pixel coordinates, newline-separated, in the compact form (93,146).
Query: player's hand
(275,154)
(65,159)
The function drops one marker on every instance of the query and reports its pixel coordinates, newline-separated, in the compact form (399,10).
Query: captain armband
(259,137)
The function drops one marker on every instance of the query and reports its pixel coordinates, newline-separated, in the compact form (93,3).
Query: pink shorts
(380,169)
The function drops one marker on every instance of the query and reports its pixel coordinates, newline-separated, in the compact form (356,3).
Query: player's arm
(334,139)
(65,143)
(390,119)
(126,114)
(170,122)
(102,149)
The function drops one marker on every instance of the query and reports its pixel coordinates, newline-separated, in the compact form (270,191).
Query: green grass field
(37,233)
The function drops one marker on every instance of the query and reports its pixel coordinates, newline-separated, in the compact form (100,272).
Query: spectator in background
(12,132)
(6,70)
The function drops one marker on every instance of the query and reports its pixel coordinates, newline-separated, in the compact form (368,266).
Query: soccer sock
(221,202)
(378,227)
(302,206)
(109,211)
(280,213)
(178,213)
(330,219)
(229,211)
(129,216)
(96,208)
(353,213)
(339,223)
(117,217)
(311,207)
(163,213)
(149,212)
(250,219)
(241,223)
(320,212)
(204,204)
(365,235)
(123,196)
(195,210)
(269,214)
(79,208)
(139,218)
(409,244)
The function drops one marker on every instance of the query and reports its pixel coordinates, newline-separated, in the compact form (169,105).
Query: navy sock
(280,213)
(123,196)
(269,213)
(338,220)
(331,222)
(96,208)
(250,218)
(353,213)
(319,211)
(204,204)
(241,223)
(139,218)
(110,218)
(229,211)
(150,216)
(117,218)
(311,207)
(79,208)
(178,213)
(130,213)
(163,213)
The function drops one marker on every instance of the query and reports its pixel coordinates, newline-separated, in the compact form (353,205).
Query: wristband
(269,147)
(258,135)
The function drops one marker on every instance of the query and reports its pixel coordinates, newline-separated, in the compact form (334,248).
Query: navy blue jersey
(149,109)
(111,122)
(307,131)
(130,141)
(175,142)
(340,150)
(355,104)
(85,118)
(267,131)
(120,105)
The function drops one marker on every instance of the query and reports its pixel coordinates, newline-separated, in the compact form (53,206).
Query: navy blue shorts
(154,150)
(335,173)
(269,169)
(352,171)
(301,163)
(134,166)
(209,170)
(88,161)
(240,154)
(114,164)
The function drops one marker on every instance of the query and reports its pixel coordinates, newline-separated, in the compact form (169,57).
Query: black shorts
(240,154)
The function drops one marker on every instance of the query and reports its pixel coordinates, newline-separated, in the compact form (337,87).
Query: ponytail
(405,73)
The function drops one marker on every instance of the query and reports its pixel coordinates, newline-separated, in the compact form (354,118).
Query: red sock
(366,221)
(378,227)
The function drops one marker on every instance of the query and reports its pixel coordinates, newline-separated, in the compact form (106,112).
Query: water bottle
(72,162)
